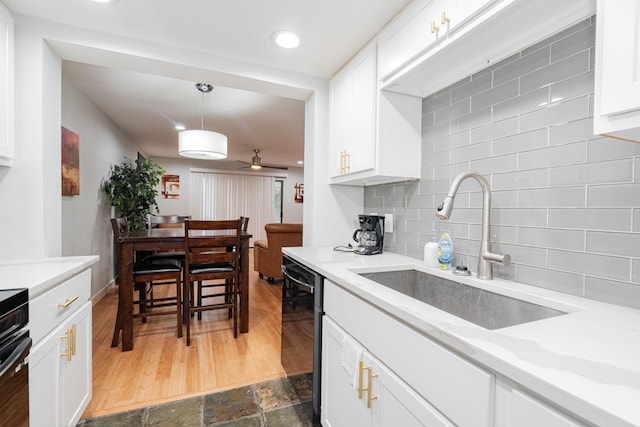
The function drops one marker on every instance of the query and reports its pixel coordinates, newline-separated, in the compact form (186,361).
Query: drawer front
(440,376)
(50,309)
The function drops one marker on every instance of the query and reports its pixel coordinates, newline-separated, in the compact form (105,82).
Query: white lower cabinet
(417,379)
(367,393)
(60,370)
(60,373)
(517,407)
(340,405)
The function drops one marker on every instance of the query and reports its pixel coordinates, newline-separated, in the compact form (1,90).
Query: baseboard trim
(102,292)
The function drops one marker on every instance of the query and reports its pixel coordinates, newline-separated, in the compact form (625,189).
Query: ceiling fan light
(256,167)
(202,144)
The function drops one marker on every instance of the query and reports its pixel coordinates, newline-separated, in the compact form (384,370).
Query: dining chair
(163,221)
(212,254)
(167,271)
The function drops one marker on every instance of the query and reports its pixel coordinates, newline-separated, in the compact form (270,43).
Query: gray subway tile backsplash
(575,131)
(566,203)
(524,65)
(555,72)
(614,195)
(555,113)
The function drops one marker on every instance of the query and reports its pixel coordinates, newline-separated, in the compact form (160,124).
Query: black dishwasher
(302,313)
(14,350)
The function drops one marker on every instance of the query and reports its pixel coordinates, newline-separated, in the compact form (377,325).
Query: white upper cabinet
(375,136)
(353,114)
(617,84)
(470,36)
(421,25)
(418,27)
(6,88)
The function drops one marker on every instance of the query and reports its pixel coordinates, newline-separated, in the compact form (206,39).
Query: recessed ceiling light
(180,127)
(286,39)
(300,162)
(106,2)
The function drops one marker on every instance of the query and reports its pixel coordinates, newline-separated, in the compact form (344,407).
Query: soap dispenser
(445,251)
(431,253)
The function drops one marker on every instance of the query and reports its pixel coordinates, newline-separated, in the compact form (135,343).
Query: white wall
(292,211)
(85,218)
(30,190)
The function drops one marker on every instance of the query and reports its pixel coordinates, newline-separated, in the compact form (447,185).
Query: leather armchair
(267,254)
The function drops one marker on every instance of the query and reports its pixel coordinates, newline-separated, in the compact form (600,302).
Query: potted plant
(132,189)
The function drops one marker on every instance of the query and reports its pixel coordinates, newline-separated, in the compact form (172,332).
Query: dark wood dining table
(157,239)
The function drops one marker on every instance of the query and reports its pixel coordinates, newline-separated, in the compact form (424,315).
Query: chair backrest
(212,242)
(244,223)
(170,221)
(280,235)
(119,226)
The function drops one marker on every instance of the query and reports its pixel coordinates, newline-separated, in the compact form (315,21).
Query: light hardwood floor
(162,368)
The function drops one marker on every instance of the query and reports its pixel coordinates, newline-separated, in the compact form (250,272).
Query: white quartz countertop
(40,275)
(586,361)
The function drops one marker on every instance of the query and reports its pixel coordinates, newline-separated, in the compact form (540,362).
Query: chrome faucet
(486,257)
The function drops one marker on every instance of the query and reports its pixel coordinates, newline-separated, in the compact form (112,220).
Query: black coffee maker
(370,235)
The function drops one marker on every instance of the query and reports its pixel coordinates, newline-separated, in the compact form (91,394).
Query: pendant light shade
(202,144)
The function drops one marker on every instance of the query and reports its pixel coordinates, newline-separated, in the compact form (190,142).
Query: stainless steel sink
(484,308)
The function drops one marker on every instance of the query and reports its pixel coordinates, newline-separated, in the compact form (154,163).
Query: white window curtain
(219,196)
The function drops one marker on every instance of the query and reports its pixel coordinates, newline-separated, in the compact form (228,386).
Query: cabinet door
(7,148)
(353,112)
(619,48)
(409,35)
(340,403)
(60,389)
(362,146)
(396,404)
(459,12)
(527,411)
(340,117)
(76,373)
(44,381)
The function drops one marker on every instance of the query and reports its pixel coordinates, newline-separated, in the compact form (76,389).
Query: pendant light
(200,143)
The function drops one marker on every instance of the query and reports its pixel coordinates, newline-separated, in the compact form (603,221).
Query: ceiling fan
(256,163)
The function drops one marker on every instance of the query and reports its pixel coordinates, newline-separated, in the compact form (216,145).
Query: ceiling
(146,107)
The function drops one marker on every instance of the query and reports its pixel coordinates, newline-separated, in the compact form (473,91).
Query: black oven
(14,351)
(302,313)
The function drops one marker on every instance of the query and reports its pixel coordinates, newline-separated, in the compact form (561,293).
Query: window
(278,187)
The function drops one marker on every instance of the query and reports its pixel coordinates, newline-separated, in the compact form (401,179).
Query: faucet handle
(501,257)
(495,238)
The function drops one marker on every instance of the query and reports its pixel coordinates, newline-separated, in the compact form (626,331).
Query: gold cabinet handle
(360,369)
(68,302)
(371,376)
(67,353)
(445,18)
(368,388)
(345,160)
(434,27)
(73,340)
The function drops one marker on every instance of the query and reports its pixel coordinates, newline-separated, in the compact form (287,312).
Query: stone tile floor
(285,402)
